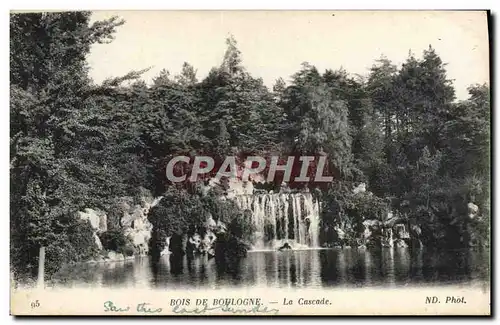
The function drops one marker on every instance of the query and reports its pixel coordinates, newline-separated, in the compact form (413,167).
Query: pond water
(348,267)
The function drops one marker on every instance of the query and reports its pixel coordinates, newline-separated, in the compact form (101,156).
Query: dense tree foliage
(58,135)
(75,144)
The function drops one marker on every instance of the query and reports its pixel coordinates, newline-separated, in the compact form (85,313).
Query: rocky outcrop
(134,221)
(231,187)
(473,210)
(115,256)
(98,221)
(361,188)
(391,232)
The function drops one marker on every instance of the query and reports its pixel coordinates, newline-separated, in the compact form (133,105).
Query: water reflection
(308,268)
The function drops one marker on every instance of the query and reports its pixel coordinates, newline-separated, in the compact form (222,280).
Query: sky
(275,43)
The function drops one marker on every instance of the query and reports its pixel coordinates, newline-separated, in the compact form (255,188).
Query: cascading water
(283,217)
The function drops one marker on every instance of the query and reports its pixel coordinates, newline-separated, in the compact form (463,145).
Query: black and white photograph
(253,163)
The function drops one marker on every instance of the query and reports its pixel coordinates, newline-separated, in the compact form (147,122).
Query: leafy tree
(380,86)
(187,77)
(55,131)
(317,121)
(163,79)
(279,89)
(231,97)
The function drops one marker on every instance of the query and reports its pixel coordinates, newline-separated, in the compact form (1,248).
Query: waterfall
(283,217)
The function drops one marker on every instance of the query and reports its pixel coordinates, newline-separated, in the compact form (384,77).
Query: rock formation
(98,221)
(361,188)
(132,221)
(473,210)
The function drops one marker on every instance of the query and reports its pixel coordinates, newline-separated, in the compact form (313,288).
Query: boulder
(285,246)
(111,255)
(114,256)
(473,210)
(135,221)
(361,188)
(97,219)
(98,222)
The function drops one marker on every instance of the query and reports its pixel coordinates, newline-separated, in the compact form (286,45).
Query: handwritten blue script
(143,307)
(259,309)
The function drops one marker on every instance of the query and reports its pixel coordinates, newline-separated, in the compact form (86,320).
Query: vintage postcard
(258,163)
